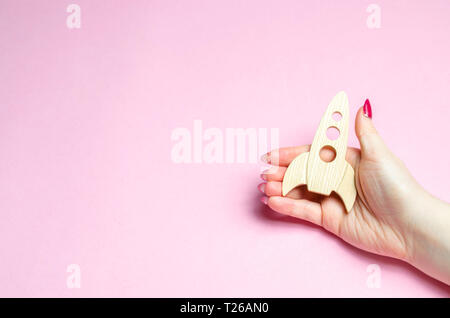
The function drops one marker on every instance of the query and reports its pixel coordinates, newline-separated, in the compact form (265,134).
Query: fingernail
(268,171)
(367,109)
(265,158)
(262,187)
(264,200)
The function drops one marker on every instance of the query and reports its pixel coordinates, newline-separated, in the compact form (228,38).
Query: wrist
(428,221)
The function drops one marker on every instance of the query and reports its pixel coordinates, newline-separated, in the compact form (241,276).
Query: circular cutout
(333,133)
(327,153)
(337,116)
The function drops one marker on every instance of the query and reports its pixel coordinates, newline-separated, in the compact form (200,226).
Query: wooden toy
(320,176)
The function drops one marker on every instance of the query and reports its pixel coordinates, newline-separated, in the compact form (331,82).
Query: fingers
(274,174)
(272,188)
(301,209)
(303,205)
(282,157)
(372,146)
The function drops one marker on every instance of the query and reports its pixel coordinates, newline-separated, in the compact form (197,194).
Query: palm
(369,225)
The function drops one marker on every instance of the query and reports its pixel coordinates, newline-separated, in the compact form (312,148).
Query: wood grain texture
(347,188)
(320,176)
(295,174)
(323,177)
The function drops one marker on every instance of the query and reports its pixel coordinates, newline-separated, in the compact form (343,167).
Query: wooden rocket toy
(320,176)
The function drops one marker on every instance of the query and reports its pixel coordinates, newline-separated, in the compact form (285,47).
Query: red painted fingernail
(367,109)
(264,200)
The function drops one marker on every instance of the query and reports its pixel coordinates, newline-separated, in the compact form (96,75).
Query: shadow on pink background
(86,117)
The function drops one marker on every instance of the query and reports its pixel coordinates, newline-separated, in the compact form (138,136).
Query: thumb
(371,143)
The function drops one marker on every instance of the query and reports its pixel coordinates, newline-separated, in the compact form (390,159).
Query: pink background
(86,117)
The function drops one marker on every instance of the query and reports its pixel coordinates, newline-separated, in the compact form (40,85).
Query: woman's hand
(391,211)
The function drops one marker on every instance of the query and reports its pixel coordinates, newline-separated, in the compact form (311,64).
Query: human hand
(389,215)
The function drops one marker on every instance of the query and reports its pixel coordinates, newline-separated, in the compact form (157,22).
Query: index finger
(283,156)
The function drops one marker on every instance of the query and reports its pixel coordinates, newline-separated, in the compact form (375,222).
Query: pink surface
(86,117)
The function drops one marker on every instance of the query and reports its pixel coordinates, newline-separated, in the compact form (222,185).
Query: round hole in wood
(327,153)
(337,116)
(333,133)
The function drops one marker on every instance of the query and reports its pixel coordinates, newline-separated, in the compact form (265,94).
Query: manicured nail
(268,171)
(264,200)
(262,187)
(367,109)
(265,158)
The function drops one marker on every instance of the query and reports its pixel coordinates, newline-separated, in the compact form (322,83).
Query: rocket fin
(296,173)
